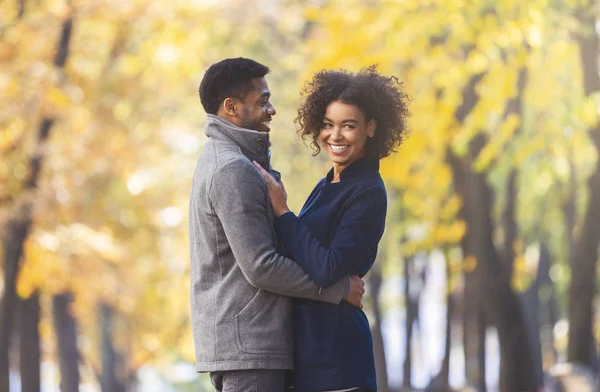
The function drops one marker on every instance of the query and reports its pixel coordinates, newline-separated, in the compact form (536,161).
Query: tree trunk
(65,327)
(582,286)
(30,344)
(378,345)
(19,223)
(14,236)
(531,305)
(109,379)
(410,317)
(503,307)
(474,334)
(548,307)
(445,371)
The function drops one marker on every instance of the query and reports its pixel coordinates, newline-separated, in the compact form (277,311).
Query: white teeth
(267,123)
(338,148)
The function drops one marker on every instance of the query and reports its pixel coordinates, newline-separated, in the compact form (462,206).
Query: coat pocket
(264,326)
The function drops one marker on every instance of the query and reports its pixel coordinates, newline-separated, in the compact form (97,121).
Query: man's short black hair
(229,78)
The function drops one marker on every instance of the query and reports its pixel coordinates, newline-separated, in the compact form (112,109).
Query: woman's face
(344,133)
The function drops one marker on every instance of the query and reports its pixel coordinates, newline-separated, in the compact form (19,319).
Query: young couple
(273,291)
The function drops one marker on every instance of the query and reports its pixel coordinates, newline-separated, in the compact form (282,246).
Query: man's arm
(240,197)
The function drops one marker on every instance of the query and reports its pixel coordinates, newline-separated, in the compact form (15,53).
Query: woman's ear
(371,128)
(229,106)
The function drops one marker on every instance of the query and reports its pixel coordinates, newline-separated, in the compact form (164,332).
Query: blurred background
(486,277)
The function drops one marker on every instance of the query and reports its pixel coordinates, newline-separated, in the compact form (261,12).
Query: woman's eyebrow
(343,121)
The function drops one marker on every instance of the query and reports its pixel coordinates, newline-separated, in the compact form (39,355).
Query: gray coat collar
(253,144)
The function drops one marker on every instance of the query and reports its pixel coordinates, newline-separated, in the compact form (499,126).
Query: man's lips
(267,123)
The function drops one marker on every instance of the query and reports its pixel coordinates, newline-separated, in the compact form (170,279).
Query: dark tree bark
(109,379)
(21,9)
(502,305)
(548,305)
(474,332)
(473,318)
(29,343)
(531,305)
(379,347)
(582,286)
(19,223)
(65,327)
(445,371)
(410,317)
(504,310)
(14,237)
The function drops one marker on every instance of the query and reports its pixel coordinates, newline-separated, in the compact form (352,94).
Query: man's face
(255,110)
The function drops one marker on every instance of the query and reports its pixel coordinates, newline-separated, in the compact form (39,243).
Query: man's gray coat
(240,285)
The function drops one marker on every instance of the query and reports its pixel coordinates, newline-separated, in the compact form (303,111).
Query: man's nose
(271,110)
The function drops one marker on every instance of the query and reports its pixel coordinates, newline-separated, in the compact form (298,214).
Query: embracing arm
(360,229)
(240,197)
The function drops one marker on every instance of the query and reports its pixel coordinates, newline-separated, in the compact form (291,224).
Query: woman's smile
(344,134)
(338,149)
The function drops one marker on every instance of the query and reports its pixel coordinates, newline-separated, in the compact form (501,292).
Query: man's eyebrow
(266,94)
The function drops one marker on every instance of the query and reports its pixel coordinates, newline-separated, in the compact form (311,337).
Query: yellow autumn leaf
(57,98)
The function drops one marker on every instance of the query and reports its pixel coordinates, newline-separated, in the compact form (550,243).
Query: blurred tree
(15,234)
(410,306)
(375,280)
(584,256)
(29,344)
(503,152)
(65,327)
(470,64)
(110,207)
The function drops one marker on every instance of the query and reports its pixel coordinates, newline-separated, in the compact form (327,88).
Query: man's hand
(357,290)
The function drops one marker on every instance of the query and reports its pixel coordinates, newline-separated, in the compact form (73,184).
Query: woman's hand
(277,192)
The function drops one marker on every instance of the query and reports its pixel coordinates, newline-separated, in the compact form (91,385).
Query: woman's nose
(336,134)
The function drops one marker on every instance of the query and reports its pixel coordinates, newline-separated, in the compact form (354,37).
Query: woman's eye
(326,125)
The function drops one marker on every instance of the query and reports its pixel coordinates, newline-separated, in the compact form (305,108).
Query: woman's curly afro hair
(379,97)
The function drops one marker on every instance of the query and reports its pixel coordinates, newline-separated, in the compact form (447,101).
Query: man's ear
(371,128)
(229,106)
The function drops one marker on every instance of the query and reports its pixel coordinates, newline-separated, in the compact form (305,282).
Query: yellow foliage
(126,105)
(449,234)
(57,98)
(470,264)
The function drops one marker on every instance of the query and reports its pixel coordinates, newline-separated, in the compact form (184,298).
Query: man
(241,286)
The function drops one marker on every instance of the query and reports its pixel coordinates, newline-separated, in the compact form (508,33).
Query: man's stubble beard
(247,123)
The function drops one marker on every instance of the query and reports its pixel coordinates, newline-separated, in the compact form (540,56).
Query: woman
(357,118)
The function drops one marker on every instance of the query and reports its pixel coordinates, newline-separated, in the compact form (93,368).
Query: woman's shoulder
(367,191)
(371,183)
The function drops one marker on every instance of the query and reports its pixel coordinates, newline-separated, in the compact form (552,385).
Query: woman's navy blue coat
(336,234)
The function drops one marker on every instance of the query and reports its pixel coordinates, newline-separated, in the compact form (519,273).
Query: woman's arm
(360,229)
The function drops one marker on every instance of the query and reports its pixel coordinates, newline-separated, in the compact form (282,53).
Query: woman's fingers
(264,173)
(271,182)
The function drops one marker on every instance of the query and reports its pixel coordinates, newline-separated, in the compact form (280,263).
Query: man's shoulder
(236,170)
(235,165)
